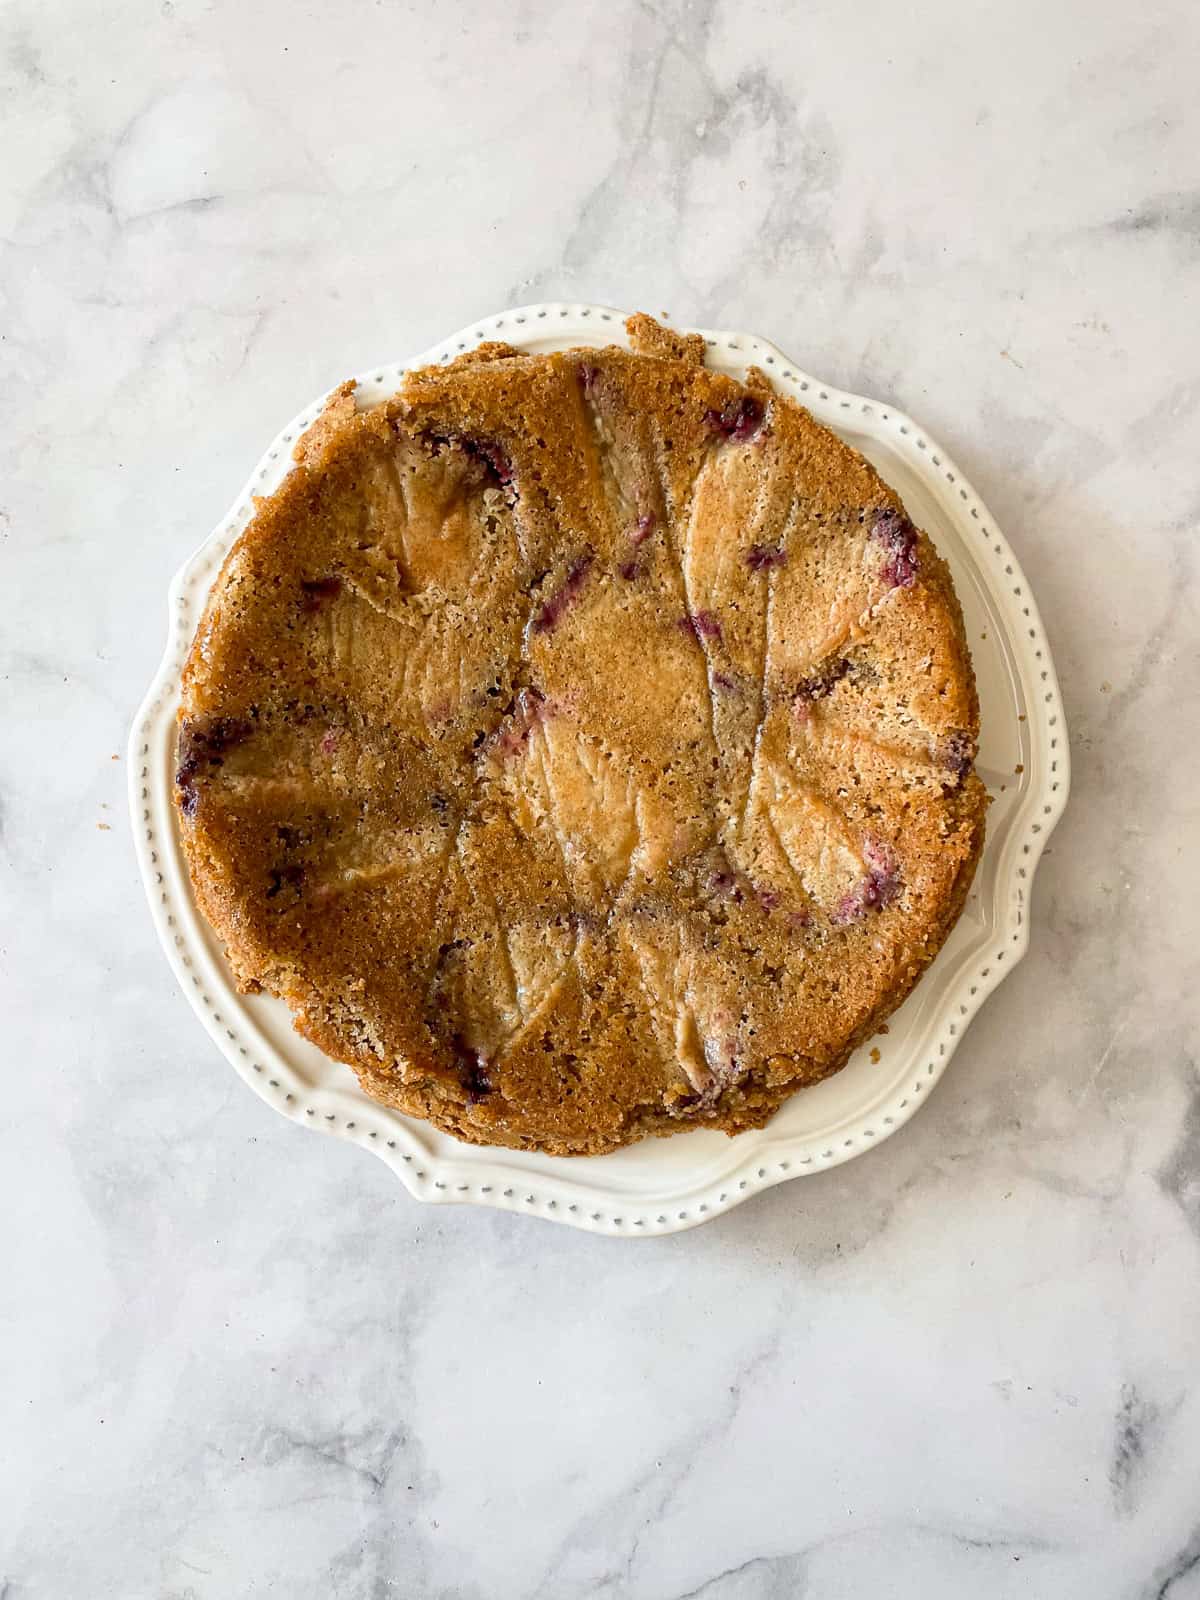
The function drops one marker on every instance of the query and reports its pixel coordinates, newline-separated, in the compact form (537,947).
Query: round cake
(582,746)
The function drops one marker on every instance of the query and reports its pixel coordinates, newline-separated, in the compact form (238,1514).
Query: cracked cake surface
(582,745)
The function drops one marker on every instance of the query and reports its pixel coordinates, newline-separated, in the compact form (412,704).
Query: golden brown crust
(336,414)
(650,338)
(582,746)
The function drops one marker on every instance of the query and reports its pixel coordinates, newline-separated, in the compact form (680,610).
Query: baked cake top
(582,745)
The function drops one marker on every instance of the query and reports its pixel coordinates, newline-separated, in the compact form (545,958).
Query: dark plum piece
(639,533)
(203,744)
(493,456)
(588,376)
(877,889)
(550,614)
(738,419)
(762,557)
(957,754)
(896,534)
(488,453)
(700,625)
(472,1068)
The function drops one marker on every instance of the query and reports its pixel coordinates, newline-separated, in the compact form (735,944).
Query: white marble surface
(238,1360)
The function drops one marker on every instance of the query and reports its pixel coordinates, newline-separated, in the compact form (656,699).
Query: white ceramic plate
(661,1185)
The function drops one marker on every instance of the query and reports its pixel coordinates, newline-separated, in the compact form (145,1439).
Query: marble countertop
(238,1360)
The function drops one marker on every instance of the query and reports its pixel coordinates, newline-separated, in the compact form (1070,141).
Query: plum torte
(582,745)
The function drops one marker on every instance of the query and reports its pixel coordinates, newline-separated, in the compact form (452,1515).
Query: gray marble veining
(237,1360)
